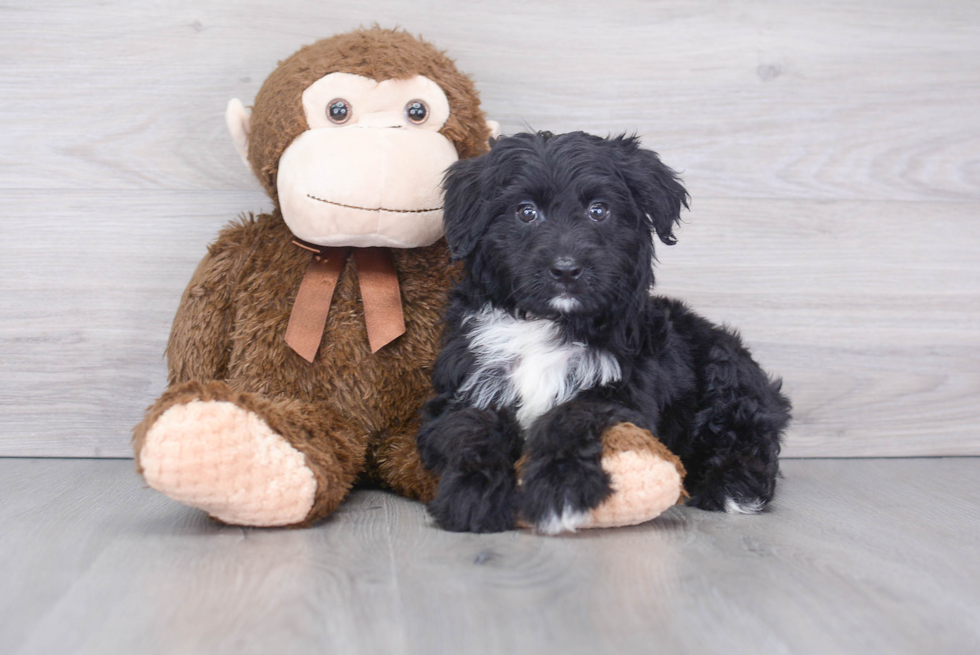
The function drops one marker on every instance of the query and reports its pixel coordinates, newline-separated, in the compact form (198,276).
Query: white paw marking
(750,506)
(568,521)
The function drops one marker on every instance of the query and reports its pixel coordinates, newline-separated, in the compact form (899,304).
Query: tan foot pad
(647,479)
(227,461)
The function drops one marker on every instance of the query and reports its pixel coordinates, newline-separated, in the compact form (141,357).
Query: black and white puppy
(553,335)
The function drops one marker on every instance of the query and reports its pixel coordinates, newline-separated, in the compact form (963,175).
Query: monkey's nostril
(565,269)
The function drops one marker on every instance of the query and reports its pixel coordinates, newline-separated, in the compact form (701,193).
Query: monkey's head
(351,136)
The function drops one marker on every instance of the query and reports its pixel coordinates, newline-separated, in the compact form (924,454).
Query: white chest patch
(523,362)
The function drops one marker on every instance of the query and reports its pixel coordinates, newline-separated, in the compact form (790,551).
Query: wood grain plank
(822,99)
(815,138)
(856,556)
(697,582)
(91,282)
(104,529)
(870,312)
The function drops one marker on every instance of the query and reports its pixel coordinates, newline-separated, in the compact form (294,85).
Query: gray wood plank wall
(832,150)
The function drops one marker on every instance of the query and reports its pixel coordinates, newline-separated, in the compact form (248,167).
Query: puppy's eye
(417,111)
(527,212)
(338,111)
(598,211)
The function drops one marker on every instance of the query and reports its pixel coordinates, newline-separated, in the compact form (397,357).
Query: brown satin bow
(380,293)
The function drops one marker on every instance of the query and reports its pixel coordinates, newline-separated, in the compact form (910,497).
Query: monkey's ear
(237,118)
(655,188)
(464,214)
(494,130)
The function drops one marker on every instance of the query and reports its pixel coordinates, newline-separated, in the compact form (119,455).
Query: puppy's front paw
(557,495)
(720,500)
(475,500)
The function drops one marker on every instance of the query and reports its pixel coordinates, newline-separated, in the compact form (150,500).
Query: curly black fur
(556,235)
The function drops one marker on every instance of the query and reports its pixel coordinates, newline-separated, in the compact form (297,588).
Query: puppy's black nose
(565,269)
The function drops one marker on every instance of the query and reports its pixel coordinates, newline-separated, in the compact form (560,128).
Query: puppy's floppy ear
(464,214)
(655,188)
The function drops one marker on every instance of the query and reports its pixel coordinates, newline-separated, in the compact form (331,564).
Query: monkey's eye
(598,211)
(527,212)
(339,111)
(417,111)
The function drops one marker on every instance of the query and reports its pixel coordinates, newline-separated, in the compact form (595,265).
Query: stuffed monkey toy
(302,349)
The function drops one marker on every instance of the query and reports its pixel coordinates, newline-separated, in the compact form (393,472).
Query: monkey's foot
(647,478)
(227,461)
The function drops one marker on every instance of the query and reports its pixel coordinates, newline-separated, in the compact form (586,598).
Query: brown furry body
(350,412)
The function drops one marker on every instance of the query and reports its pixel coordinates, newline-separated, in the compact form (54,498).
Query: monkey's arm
(200,339)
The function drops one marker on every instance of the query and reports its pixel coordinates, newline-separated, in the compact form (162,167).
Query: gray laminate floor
(862,556)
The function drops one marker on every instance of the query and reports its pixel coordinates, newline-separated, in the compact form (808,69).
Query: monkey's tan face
(368,171)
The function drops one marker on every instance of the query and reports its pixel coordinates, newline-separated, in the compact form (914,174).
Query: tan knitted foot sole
(644,486)
(227,461)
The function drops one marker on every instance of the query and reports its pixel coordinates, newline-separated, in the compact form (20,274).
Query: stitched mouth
(375,209)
